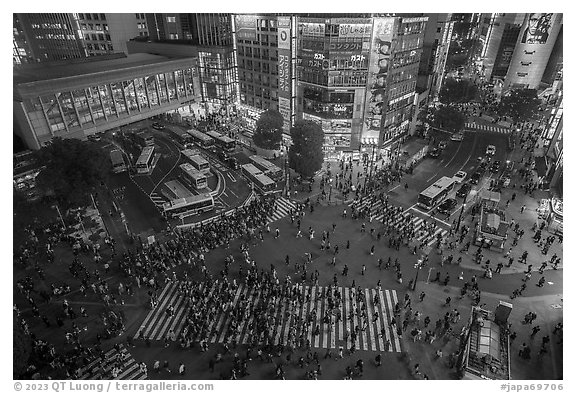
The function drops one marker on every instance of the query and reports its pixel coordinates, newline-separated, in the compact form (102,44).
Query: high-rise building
(357,78)
(207,29)
(499,34)
(533,49)
(266,55)
(109,33)
(437,38)
(47,37)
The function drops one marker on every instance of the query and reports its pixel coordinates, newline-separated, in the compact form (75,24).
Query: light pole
(60,214)
(460,216)
(417,266)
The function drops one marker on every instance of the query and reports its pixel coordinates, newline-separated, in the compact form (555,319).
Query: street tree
(305,155)
(448,118)
(268,133)
(520,104)
(72,169)
(457,91)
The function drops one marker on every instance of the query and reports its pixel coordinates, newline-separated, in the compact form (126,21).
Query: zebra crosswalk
(422,235)
(282,209)
(128,368)
(486,127)
(157,199)
(375,329)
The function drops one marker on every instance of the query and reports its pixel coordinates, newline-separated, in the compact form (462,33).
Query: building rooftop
(91,65)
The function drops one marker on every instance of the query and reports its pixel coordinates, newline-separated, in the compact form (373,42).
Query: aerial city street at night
(366,196)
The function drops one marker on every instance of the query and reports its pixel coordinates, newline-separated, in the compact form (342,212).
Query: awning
(541,167)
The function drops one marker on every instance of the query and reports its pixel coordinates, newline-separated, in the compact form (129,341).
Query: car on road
(434,153)
(495,167)
(442,145)
(475,178)
(94,138)
(490,150)
(463,190)
(158,126)
(457,137)
(447,206)
(460,176)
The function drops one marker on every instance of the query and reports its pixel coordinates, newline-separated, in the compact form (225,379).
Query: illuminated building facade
(86,96)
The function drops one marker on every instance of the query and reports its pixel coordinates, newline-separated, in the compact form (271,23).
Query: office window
(103,16)
(96,17)
(88,16)
(81,16)
(171,19)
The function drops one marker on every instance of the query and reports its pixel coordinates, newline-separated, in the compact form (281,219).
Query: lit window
(171,19)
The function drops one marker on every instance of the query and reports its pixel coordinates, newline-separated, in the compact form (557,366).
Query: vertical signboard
(284,66)
(382,34)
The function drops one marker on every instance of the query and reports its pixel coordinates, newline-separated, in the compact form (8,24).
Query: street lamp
(418,265)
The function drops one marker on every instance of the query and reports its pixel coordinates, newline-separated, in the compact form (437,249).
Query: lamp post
(417,266)
(460,216)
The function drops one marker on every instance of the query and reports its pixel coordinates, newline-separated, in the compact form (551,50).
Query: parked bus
(144,163)
(261,182)
(189,153)
(143,138)
(269,169)
(222,141)
(199,138)
(436,193)
(174,190)
(192,177)
(181,137)
(184,207)
(200,163)
(118,163)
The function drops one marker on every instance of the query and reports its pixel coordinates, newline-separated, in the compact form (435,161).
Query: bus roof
(198,134)
(146,152)
(252,169)
(264,162)
(191,171)
(265,180)
(191,152)
(438,186)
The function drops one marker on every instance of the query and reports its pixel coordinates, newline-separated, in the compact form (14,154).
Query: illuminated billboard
(382,34)
(536,28)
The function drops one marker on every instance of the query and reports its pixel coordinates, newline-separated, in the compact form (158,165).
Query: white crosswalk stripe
(283,207)
(374,330)
(98,369)
(422,235)
(485,127)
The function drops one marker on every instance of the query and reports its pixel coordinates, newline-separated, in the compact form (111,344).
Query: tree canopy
(268,134)
(305,155)
(448,118)
(72,169)
(520,104)
(457,91)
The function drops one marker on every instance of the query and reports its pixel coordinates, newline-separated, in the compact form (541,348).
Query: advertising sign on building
(284,109)
(536,29)
(284,33)
(382,34)
(354,30)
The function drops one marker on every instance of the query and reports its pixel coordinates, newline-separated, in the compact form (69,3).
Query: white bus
(144,163)
(436,193)
(200,163)
(225,143)
(192,177)
(118,163)
(200,138)
(261,182)
(184,207)
(269,169)
(189,153)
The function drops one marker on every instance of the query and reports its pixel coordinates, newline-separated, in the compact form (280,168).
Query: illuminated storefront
(73,101)
(332,70)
